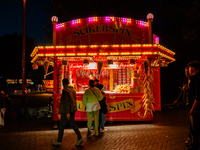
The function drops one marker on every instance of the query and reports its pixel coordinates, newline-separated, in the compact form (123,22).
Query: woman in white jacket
(91,99)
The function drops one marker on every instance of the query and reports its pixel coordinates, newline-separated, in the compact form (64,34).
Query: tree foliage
(191,30)
(11,54)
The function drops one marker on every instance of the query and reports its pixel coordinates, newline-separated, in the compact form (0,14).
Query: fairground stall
(121,52)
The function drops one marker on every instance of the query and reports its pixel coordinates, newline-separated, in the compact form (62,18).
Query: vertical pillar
(23,55)
(60,77)
(111,79)
(54,20)
(150,20)
(157,89)
(132,76)
(55,101)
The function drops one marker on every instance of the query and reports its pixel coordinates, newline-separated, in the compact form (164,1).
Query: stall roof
(155,51)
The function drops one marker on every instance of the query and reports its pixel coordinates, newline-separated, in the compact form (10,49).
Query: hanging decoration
(46,66)
(99,66)
(146,65)
(148,98)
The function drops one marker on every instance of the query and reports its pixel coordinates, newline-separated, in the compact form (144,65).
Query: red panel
(122,107)
(101,32)
(157,93)
(55,98)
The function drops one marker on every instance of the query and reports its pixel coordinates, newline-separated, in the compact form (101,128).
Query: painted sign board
(102,30)
(121,107)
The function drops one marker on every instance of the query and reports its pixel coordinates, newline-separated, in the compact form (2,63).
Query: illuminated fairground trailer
(121,52)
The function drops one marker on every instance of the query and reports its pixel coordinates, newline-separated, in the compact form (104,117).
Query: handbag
(104,107)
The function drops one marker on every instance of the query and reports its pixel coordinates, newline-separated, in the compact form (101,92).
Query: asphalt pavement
(167,131)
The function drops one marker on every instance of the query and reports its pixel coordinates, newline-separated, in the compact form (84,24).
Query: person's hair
(91,83)
(96,80)
(195,65)
(65,81)
(100,86)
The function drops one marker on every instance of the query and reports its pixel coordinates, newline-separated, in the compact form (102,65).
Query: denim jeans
(103,120)
(63,122)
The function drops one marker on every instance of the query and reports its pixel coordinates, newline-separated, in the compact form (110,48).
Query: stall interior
(117,74)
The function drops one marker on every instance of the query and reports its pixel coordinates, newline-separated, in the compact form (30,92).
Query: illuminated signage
(114,107)
(102,29)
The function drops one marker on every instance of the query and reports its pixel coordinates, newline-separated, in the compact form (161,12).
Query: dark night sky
(11,14)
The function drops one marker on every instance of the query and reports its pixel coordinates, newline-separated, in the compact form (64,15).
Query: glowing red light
(150,16)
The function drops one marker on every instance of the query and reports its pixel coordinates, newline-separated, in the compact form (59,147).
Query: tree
(11,55)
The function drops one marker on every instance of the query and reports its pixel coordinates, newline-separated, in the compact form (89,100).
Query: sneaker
(188,141)
(89,135)
(96,134)
(56,143)
(79,142)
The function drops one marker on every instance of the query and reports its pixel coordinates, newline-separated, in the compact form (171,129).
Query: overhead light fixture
(92,65)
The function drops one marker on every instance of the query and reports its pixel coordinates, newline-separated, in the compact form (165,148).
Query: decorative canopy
(153,52)
(105,38)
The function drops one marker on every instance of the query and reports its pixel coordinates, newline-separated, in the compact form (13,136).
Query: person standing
(184,89)
(184,92)
(96,83)
(91,99)
(8,107)
(193,103)
(99,86)
(103,110)
(2,108)
(68,107)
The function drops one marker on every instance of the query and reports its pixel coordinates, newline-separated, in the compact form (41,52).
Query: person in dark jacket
(184,93)
(2,108)
(68,107)
(103,110)
(193,103)
(184,89)
(8,107)
(96,83)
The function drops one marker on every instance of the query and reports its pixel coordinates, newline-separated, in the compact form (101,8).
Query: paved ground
(167,131)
